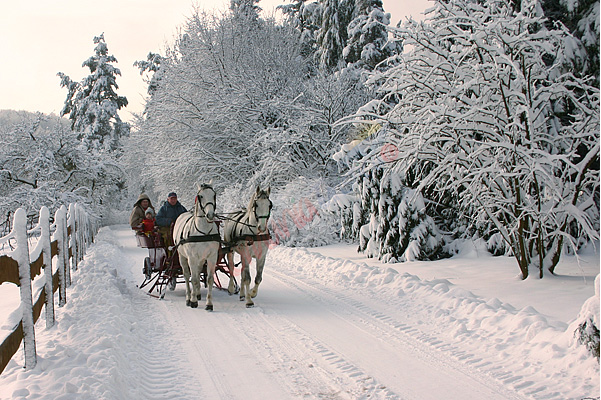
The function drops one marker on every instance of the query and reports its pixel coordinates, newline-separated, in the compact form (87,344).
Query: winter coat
(168,214)
(138,213)
(147,225)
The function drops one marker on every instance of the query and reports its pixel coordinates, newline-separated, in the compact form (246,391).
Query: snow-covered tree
(93,103)
(247,10)
(240,108)
(581,17)
(305,16)
(486,106)
(44,164)
(584,330)
(150,69)
(331,37)
(389,219)
(219,90)
(368,43)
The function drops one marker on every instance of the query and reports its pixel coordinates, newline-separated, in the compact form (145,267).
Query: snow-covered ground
(327,324)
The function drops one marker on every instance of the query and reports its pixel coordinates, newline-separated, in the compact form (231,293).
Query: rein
(237,221)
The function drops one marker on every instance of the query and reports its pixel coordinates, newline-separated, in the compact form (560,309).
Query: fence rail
(61,244)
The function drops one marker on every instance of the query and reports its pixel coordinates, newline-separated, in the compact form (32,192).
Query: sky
(39,38)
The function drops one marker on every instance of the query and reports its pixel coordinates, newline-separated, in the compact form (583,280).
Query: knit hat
(149,211)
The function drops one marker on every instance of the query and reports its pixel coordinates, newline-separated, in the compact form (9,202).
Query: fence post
(60,218)
(72,222)
(22,257)
(70,243)
(81,232)
(47,257)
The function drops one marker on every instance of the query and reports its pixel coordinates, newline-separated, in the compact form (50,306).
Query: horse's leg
(195,296)
(231,288)
(245,258)
(242,287)
(210,281)
(259,275)
(186,270)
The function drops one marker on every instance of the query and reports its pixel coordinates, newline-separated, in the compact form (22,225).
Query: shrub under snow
(586,325)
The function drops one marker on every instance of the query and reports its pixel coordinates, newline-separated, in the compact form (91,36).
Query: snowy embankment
(323,327)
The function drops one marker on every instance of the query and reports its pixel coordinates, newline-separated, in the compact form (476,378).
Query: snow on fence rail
(61,244)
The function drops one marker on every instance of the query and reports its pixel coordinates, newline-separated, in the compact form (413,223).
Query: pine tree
(304,16)
(388,217)
(368,43)
(92,104)
(582,20)
(331,37)
(245,9)
(152,65)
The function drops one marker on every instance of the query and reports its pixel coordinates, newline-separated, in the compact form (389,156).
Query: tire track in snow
(230,360)
(296,350)
(383,327)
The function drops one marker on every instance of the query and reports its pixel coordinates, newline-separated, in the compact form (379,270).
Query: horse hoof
(209,307)
(250,305)
(187,303)
(242,298)
(194,304)
(198,297)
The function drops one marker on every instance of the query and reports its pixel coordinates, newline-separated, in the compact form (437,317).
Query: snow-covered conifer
(331,37)
(368,42)
(152,68)
(305,16)
(93,104)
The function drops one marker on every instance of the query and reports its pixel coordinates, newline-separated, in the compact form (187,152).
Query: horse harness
(249,238)
(216,237)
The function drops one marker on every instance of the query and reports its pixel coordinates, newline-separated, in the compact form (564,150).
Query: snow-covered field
(327,324)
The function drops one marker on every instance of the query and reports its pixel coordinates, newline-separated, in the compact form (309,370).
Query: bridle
(199,205)
(198,201)
(257,217)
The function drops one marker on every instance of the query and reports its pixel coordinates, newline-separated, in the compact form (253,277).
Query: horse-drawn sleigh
(200,253)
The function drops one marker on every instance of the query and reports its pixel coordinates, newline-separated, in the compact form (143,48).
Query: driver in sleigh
(166,217)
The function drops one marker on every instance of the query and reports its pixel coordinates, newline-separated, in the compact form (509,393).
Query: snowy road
(322,328)
(304,341)
(307,340)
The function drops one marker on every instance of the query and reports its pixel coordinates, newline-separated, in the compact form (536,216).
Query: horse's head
(262,208)
(205,202)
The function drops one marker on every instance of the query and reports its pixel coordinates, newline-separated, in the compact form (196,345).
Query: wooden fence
(61,245)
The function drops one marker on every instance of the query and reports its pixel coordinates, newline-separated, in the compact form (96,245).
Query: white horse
(246,233)
(198,241)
